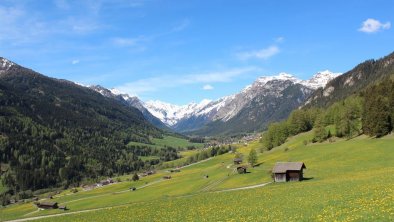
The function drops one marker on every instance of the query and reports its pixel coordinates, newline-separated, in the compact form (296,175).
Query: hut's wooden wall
(294,175)
(280,177)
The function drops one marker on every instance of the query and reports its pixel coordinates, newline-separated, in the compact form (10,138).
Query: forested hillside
(56,133)
(370,112)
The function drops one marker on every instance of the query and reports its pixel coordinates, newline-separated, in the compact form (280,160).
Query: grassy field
(170,141)
(348,180)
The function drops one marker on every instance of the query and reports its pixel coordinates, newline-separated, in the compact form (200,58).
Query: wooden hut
(237,161)
(288,171)
(47,205)
(241,169)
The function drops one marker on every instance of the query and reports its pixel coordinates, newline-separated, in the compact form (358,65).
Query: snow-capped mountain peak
(170,114)
(320,79)
(5,64)
(281,76)
(125,96)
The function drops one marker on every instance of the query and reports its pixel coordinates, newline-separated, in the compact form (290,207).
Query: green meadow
(169,141)
(347,180)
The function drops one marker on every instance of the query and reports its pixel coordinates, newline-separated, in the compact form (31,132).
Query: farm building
(241,169)
(237,161)
(175,170)
(147,173)
(105,182)
(47,205)
(288,171)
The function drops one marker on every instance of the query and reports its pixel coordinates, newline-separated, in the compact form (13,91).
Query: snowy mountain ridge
(171,114)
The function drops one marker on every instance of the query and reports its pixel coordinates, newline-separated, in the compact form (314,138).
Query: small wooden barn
(288,171)
(237,161)
(47,205)
(241,169)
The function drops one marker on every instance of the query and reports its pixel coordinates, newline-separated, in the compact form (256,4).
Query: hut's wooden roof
(282,167)
(49,204)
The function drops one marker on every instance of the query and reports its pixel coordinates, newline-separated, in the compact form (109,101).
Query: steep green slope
(54,132)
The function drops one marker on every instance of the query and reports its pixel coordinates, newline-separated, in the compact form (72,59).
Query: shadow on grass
(258,164)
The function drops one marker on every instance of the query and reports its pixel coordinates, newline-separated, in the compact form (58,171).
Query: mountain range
(269,98)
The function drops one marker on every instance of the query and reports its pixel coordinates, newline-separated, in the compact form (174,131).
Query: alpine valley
(192,111)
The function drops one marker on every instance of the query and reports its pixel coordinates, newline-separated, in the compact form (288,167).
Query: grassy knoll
(349,180)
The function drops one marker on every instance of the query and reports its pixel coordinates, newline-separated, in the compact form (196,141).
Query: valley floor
(346,181)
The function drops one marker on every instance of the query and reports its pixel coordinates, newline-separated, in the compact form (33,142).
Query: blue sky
(183,51)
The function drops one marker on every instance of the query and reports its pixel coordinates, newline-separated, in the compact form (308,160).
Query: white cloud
(372,25)
(154,84)
(259,54)
(207,87)
(75,61)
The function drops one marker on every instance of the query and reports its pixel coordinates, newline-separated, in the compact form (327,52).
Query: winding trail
(202,161)
(243,188)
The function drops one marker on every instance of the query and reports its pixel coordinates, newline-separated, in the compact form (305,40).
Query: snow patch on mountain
(170,114)
(320,79)
(5,64)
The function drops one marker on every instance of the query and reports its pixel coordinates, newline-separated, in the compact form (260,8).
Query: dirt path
(243,188)
(202,161)
(117,192)
(57,215)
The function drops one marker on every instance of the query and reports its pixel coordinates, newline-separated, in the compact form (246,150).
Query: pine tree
(252,158)
(320,133)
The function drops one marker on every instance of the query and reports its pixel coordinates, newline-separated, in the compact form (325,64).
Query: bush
(135,177)
(25,194)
